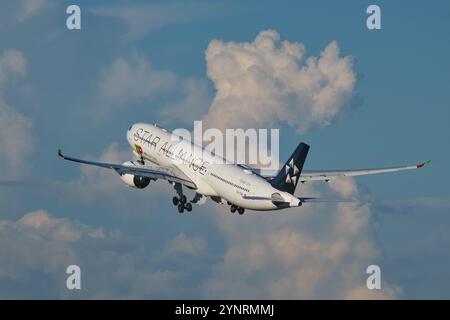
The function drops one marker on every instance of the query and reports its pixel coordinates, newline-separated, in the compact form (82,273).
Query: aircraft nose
(130,129)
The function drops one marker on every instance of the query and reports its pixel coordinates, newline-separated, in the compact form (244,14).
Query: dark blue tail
(289,175)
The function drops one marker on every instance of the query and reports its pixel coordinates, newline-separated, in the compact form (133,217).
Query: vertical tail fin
(289,175)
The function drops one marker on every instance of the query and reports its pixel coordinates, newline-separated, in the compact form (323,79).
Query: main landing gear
(181,201)
(181,204)
(235,208)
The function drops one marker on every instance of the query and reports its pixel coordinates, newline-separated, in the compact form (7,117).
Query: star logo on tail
(292,172)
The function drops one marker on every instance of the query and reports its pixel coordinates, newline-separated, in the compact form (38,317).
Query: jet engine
(134,181)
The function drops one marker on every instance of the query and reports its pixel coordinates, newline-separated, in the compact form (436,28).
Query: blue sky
(399,116)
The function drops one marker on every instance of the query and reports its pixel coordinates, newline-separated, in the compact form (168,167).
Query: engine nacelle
(134,181)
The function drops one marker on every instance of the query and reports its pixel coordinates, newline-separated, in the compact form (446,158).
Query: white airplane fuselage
(213,175)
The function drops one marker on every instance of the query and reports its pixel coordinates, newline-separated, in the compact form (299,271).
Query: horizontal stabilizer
(323,200)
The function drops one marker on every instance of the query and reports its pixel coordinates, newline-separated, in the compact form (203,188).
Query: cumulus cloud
(192,104)
(104,188)
(111,154)
(271,81)
(36,250)
(182,244)
(15,128)
(15,141)
(345,186)
(133,80)
(262,83)
(317,251)
(96,185)
(29,8)
(12,63)
(361,292)
(143,19)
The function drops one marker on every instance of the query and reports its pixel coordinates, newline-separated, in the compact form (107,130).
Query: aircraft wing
(327,175)
(135,168)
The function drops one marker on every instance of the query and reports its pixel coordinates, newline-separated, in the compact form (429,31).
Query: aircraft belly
(261,205)
(233,196)
(204,188)
(200,181)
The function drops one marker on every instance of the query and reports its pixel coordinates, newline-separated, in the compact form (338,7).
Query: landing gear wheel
(180,208)
(241,211)
(188,207)
(233,208)
(175,201)
(183,199)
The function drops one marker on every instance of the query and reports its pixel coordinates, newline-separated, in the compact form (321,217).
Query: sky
(312,69)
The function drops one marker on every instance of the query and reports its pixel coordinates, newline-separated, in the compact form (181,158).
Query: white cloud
(12,63)
(36,241)
(182,244)
(15,128)
(346,187)
(132,81)
(316,251)
(319,250)
(143,19)
(261,83)
(15,142)
(29,8)
(110,154)
(39,247)
(39,220)
(361,293)
(269,81)
(129,82)
(102,186)
(192,104)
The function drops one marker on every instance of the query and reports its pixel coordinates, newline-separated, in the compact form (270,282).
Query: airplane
(165,156)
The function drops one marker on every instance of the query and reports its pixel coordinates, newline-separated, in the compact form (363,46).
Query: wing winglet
(423,164)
